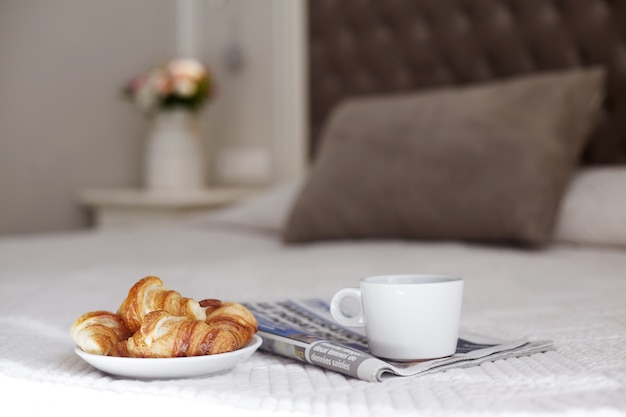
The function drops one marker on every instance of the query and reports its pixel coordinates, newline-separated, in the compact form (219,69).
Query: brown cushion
(483,163)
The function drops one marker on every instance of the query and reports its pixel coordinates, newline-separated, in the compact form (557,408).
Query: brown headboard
(361,47)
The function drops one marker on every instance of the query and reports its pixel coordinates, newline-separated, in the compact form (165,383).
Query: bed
(503,166)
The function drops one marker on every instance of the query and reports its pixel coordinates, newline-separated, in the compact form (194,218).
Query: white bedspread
(574,296)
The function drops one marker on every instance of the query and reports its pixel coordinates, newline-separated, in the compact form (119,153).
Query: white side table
(123,208)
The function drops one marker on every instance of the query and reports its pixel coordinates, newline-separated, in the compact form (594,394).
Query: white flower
(186,68)
(150,89)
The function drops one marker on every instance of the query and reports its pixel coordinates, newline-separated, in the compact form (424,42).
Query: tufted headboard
(361,47)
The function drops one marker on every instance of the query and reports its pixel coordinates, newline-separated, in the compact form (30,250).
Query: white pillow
(593,210)
(266,211)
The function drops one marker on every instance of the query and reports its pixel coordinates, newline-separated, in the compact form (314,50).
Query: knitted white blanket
(574,296)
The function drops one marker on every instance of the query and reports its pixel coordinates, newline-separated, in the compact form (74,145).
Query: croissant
(99,331)
(234,318)
(120,349)
(149,294)
(163,335)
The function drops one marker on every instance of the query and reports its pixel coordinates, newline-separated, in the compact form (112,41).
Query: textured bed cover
(574,296)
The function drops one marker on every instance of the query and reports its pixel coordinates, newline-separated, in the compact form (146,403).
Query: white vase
(174,157)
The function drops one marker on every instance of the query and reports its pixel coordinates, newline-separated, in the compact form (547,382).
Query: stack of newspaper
(305,330)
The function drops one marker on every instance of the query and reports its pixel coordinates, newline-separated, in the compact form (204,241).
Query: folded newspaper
(303,329)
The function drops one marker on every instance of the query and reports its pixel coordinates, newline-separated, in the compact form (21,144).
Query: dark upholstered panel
(378,46)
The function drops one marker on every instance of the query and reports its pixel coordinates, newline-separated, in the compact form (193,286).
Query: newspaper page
(304,330)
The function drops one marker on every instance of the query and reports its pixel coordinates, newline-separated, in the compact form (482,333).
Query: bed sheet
(572,295)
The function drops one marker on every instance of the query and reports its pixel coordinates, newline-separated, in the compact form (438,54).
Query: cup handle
(335,307)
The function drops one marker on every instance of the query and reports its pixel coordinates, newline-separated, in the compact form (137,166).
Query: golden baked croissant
(99,331)
(149,294)
(163,335)
(231,317)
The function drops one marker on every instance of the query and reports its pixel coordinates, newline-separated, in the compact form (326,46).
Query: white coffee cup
(406,317)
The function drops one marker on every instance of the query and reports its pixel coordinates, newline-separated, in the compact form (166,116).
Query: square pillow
(487,163)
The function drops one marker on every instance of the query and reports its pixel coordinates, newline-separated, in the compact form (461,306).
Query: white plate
(167,368)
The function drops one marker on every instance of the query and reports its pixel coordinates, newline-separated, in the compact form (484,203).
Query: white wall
(232,37)
(65,127)
(258,48)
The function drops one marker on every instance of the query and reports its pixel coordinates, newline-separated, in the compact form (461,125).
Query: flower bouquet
(182,83)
